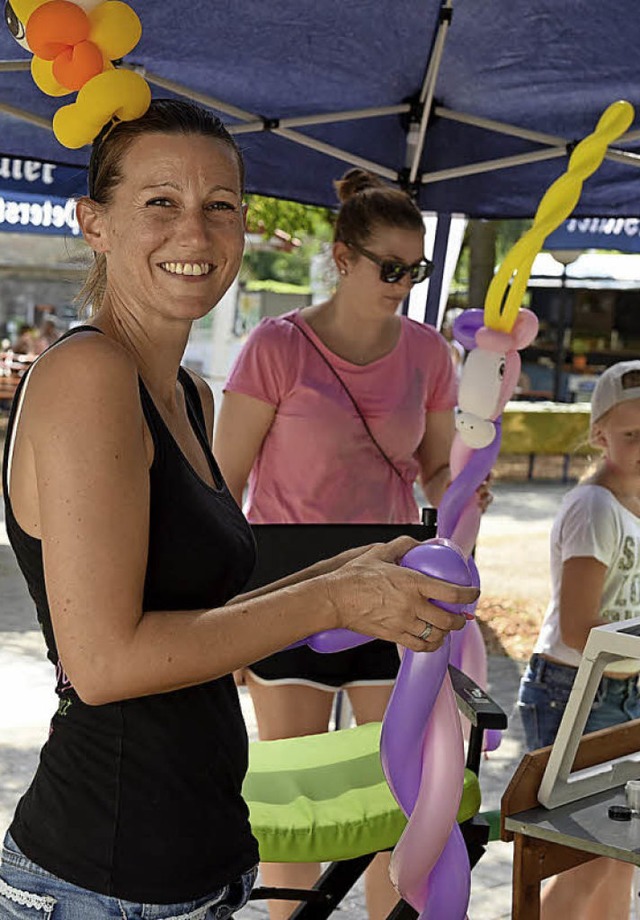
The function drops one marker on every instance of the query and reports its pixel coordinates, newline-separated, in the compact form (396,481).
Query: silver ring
(426,632)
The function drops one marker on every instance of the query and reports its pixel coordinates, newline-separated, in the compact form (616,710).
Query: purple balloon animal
(422,746)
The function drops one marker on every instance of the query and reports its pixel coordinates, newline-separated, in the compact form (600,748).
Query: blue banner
(621,233)
(38,197)
(40,178)
(23,213)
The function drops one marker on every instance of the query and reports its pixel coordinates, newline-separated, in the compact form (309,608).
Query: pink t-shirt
(317,463)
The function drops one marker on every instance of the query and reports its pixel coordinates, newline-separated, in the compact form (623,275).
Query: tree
(305,227)
(266,215)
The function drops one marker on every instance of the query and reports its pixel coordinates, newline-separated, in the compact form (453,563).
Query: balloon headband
(74,44)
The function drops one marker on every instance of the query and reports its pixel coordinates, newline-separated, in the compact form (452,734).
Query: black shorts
(376,662)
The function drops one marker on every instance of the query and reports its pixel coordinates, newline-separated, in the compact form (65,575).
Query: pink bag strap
(346,389)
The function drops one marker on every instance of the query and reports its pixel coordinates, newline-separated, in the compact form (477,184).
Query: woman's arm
(242,425)
(433,454)
(84,424)
(580,599)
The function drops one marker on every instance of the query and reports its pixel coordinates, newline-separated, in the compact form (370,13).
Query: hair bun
(355,181)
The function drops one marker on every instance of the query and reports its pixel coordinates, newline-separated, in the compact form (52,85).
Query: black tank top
(141,799)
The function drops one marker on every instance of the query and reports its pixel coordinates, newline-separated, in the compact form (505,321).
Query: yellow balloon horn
(557,203)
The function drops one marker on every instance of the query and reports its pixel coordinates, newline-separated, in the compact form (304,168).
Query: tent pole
(434,292)
(326,118)
(14,66)
(336,152)
(552,140)
(415,145)
(629,138)
(472,169)
(181,90)
(428,88)
(23,115)
(500,127)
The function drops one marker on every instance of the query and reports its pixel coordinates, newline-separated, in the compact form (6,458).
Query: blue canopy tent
(472,106)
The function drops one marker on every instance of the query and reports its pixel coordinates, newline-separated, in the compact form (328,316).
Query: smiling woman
(135,552)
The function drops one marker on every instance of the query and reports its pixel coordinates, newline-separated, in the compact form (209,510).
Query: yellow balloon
(509,284)
(24,8)
(42,73)
(120,94)
(115,29)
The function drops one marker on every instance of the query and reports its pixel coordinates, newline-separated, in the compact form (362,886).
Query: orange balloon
(55,26)
(76,65)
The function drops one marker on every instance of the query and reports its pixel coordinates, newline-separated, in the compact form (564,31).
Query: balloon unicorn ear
(525,329)
(466,326)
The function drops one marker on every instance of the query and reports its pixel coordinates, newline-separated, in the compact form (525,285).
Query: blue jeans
(543,696)
(28,892)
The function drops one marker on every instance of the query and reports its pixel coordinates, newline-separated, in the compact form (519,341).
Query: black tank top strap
(152,418)
(192,398)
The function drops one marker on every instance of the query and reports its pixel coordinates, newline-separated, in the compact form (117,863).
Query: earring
(343,271)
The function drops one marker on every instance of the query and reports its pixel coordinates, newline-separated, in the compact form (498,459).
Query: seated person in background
(48,334)
(24,343)
(455,348)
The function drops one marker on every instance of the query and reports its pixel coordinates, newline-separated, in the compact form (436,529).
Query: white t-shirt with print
(592,522)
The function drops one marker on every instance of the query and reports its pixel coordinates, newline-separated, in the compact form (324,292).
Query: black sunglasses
(392,270)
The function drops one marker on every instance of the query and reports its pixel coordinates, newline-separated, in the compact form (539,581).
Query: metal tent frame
(420,114)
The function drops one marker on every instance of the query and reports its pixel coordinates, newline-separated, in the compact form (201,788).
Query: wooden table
(550,841)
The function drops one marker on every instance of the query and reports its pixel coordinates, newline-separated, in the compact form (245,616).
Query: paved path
(516,525)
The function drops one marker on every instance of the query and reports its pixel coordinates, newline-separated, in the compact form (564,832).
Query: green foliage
(508,234)
(308,226)
(266,215)
(277,287)
(288,267)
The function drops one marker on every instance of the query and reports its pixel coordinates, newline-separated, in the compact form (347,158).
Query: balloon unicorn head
(74,44)
(490,372)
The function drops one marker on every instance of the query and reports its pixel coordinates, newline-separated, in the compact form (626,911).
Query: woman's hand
(374,596)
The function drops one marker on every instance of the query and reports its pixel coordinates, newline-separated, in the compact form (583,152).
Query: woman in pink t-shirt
(332,413)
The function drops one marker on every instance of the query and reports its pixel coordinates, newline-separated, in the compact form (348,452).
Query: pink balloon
(434,815)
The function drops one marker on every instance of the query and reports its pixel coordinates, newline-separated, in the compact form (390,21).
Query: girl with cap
(595,575)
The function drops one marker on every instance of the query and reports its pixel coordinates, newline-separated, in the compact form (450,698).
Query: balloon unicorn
(433,875)
(422,747)
(74,43)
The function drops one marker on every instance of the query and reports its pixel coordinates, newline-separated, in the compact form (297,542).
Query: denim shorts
(543,696)
(28,892)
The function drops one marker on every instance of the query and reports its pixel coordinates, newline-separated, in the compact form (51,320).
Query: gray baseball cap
(617,384)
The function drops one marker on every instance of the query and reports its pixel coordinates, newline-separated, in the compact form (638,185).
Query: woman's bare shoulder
(85,374)
(86,357)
